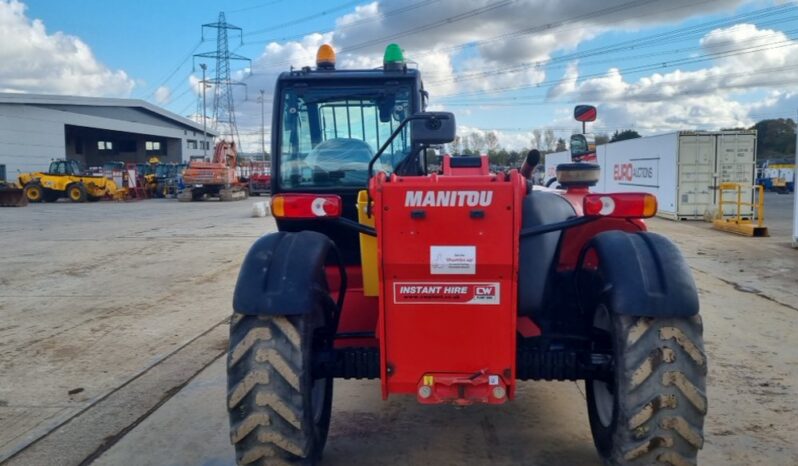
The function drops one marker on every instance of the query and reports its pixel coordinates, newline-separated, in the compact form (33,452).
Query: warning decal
(446,293)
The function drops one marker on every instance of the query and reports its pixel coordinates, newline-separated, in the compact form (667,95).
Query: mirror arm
(389,141)
(379,154)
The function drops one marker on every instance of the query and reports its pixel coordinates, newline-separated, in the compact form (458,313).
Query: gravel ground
(112,318)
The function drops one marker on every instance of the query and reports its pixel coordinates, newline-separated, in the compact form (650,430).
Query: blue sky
(137,45)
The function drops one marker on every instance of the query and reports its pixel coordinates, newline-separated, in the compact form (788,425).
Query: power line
(370,19)
(636,57)
(254,7)
(303,19)
(487,8)
(637,43)
(596,96)
(632,70)
(174,71)
(449,20)
(658,39)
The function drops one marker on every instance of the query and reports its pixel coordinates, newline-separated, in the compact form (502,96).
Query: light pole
(204,120)
(262,124)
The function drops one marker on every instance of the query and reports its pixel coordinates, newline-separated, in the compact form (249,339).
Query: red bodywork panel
(448,255)
(446,320)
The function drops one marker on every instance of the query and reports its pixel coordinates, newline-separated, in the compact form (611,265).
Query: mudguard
(283,274)
(645,275)
(537,254)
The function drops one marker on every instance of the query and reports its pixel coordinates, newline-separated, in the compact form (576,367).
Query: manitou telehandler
(452,287)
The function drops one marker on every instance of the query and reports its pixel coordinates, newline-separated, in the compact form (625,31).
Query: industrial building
(35,129)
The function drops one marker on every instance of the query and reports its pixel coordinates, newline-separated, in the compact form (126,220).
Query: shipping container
(682,169)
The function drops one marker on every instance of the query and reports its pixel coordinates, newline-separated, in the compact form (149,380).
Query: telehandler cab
(452,287)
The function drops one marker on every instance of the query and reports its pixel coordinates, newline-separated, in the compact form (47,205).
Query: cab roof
(307,73)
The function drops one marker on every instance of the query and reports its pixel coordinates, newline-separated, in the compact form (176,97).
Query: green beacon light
(394,58)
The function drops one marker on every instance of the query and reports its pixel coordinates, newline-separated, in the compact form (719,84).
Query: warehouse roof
(118,109)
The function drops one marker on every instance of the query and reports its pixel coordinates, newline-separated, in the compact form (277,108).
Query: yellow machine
(740,224)
(65,179)
(150,179)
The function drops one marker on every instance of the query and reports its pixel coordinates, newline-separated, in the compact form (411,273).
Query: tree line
(546,141)
(775,141)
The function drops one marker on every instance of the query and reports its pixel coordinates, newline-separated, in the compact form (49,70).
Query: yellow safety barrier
(739,224)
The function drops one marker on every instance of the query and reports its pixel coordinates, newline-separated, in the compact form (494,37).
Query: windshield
(330,134)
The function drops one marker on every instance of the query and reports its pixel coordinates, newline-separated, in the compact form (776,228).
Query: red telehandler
(451,287)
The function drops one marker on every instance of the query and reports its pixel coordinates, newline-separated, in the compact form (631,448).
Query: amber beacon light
(325,57)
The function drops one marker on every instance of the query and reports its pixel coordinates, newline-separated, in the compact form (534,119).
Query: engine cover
(448,255)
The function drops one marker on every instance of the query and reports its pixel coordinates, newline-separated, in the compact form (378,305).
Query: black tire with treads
(658,392)
(278,414)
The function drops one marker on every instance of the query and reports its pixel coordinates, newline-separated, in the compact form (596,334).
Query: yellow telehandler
(64,178)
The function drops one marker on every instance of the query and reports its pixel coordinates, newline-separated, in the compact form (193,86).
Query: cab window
(329,135)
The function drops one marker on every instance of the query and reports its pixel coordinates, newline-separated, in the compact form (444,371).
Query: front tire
(278,412)
(653,409)
(34,192)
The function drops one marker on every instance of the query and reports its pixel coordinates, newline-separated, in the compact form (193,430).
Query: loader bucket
(11,196)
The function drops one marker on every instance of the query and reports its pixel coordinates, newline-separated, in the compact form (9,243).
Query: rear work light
(620,205)
(306,206)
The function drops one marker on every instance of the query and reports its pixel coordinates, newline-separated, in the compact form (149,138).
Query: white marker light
(317,207)
(425,391)
(607,205)
(499,392)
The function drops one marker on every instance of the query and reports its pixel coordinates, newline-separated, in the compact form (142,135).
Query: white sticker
(493,380)
(453,260)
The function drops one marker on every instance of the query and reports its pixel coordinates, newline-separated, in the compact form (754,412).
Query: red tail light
(620,205)
(306,206)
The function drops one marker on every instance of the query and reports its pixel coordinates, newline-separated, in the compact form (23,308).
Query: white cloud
(162,95)
(705,98)
(568,83)
(454,42)
(57,63)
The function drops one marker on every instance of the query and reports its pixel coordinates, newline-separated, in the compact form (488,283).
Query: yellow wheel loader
(64,178)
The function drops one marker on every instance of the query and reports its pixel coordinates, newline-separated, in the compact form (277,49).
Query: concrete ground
(112,318)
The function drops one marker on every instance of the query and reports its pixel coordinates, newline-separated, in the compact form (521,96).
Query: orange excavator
(217,178)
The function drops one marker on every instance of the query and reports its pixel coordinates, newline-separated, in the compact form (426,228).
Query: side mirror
(583,148)
(585,113)
(430,128)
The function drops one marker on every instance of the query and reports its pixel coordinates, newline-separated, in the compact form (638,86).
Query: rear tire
(653,410)
(278,413)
